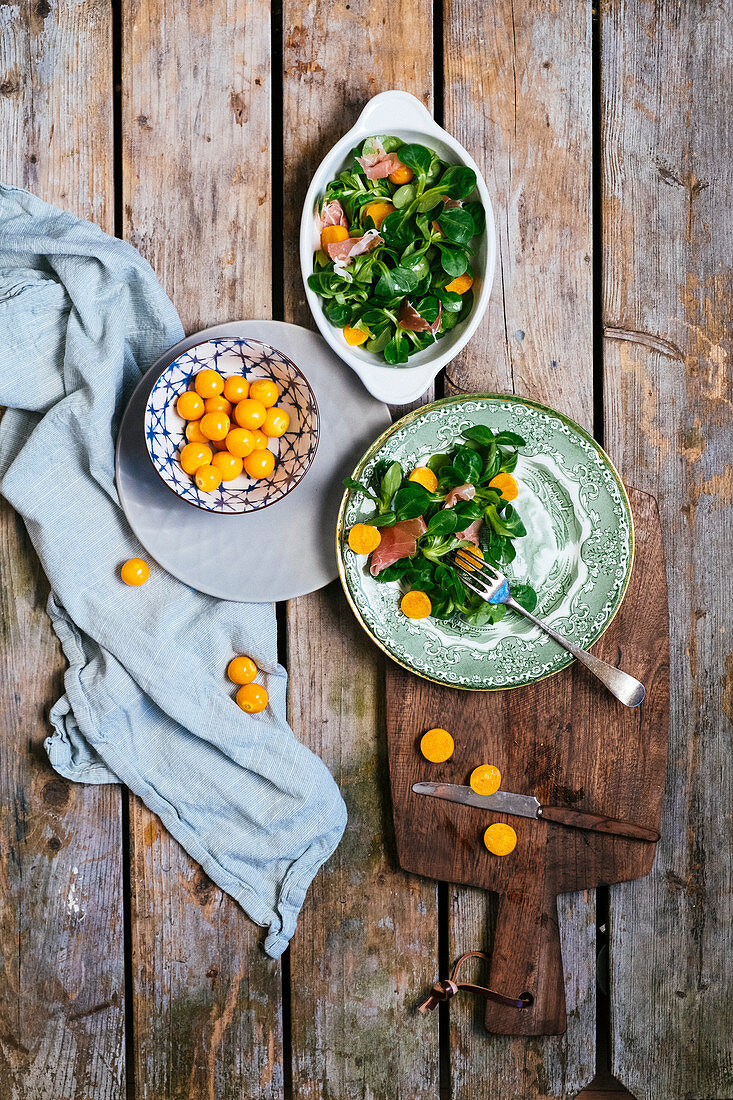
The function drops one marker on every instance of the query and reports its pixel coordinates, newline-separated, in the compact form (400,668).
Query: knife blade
(526,805)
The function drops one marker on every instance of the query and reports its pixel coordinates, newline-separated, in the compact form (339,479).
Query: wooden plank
(196,119)
(56,103)
(61,928)
(196,154)
(668,303)
(366,948)
(518,95)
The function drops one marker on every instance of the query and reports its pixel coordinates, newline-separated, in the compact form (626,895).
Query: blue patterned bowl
(294,451)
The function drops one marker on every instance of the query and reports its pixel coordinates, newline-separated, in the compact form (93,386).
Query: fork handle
(624,687)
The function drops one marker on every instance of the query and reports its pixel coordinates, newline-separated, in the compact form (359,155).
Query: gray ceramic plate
(284,550)
(578,551)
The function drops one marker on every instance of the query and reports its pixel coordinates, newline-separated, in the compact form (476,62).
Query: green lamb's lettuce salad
(397,232)
(461,498)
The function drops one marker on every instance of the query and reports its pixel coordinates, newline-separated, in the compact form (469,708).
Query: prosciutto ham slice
(471,532)
(411,320)
(461,492)
(333,214)
(343,251)
(464,492)
(397,542)
(379,164)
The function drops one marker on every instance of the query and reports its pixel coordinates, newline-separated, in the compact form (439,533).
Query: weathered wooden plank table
(192,129)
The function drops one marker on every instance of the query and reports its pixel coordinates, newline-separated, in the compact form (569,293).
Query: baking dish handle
(383,109)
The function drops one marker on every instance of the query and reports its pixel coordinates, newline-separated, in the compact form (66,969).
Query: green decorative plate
(578,551)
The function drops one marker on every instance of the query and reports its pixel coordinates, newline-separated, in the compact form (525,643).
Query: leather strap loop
(442,991)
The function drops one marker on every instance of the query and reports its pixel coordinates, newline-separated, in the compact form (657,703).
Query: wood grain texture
(196,122)
(518,95)
(61,922)
(366,945)
(553,739)
(196,153)
(668,306)
(196,192)
(207,1001)
(56,103)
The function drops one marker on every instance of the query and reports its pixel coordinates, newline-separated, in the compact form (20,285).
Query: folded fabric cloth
(147,702)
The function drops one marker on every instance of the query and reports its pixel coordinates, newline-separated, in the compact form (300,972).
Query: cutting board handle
(526,957)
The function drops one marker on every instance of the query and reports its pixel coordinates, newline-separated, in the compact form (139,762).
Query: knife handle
(597,823)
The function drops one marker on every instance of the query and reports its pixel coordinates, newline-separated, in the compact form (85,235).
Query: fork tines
(479,576)
(480,588)
(464,560)
(476,575)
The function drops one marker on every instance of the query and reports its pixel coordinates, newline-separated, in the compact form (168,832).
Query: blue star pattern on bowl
(294,451)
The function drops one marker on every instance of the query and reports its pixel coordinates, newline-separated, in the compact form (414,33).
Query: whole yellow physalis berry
(208,383)
(240,442)
(215,425)
(190,405)
(401,175)
(264,390)
(218,405)
(194,433)
(236,388)
(241,670)
(249,413)
(207,479)
(252,698)
(194,455)
(378,211)
(276,423)
(135,572)
(228,465)
(259,464)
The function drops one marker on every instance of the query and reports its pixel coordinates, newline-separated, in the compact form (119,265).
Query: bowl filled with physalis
(397,247)
(231,426)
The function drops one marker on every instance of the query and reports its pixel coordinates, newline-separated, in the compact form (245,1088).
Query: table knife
(526,805)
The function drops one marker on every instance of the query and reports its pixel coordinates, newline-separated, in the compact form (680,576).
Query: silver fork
(491,585)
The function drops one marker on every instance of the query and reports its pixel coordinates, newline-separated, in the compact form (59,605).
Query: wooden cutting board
(564,739)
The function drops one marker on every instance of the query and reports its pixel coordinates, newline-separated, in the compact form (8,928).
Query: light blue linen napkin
(82,316)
